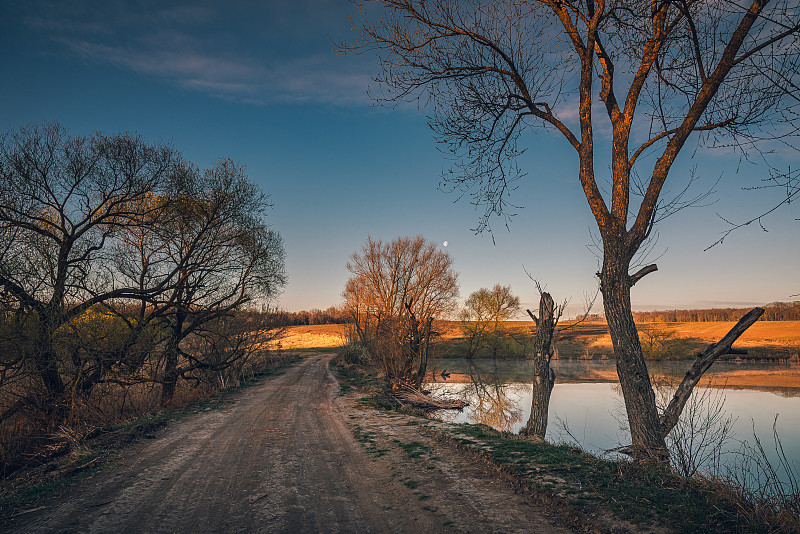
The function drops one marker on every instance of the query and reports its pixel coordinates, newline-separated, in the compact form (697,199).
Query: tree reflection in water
(489,398)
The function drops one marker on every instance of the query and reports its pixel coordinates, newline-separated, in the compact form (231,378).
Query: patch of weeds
(432,509)
(354,376)
(423,497)
(81,466)
(368,440)
(377,401)
(360,378)
(448,523)
(412,484)
(415,449)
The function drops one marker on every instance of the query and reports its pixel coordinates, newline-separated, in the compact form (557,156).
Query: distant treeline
(332,315)
(777,311)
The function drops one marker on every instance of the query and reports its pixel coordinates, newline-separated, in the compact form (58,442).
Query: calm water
(586,404)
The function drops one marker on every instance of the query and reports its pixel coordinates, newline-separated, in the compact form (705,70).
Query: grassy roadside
(589,493)
(609,493)
(99,450)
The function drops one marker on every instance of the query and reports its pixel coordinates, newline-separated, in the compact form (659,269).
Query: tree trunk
(170,373)
(423,356)
(543,376)
(46,362)
(170,381)
(704,360)
(56,406)
(47,366)
(647,440)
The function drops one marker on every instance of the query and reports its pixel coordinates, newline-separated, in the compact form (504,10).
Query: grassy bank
(607,492)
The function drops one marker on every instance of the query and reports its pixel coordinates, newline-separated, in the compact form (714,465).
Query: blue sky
(260,84)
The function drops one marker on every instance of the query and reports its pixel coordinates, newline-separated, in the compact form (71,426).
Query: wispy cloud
(202,48)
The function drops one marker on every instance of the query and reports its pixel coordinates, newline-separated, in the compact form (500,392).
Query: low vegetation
(592,487)
(100,448)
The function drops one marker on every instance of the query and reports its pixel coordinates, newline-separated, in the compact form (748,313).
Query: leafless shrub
(769,487)
(703,433)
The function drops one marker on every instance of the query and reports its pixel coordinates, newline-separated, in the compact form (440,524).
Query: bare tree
(120,260)
(544,378)
(395,292)
(62,201)
(485,312)
(214,237)
(668,73)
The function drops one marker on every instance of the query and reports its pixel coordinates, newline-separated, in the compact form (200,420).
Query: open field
(312,337)
(764,340)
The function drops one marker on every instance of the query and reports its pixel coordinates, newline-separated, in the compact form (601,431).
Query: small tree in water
(544,378)
(395,292)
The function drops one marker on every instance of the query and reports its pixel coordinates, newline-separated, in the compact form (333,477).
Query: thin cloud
(188,47)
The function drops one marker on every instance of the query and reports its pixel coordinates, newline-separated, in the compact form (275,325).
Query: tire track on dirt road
(283,458)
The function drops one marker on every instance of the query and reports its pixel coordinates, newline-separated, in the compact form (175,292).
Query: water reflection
(782,378)
(492,400)
(586,407)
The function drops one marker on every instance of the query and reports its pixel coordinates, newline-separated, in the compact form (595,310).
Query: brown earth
(289,455)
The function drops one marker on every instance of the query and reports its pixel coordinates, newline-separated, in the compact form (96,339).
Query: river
(586,407)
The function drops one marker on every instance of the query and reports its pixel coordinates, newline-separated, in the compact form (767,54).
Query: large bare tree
(212,252)
(662,75)
(63,199)
(395,292)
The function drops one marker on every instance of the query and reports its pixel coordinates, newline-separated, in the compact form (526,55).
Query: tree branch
(704,360)
(641,273)
(535,320)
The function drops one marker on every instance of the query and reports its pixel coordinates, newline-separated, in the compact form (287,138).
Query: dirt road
(290,455)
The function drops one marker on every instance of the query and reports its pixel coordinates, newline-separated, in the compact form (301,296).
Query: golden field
(311,337)
(765,339)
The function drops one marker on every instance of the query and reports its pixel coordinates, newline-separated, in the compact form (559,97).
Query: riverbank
(772,376)
(600,495)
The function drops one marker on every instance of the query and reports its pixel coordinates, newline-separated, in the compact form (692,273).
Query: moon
(445,243)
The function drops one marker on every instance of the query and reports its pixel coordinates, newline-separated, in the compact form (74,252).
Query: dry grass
(311,336)
(765,339)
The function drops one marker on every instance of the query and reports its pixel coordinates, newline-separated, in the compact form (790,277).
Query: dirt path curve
(289,455)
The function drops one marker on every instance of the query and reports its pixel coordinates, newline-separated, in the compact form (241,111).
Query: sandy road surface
(284,458)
